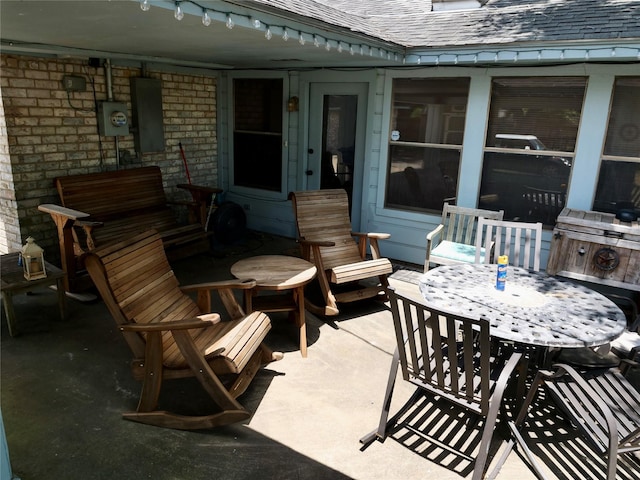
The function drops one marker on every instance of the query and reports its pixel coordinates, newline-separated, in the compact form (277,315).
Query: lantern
(33,260)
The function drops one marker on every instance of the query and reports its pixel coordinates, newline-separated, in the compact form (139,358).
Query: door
(337,118)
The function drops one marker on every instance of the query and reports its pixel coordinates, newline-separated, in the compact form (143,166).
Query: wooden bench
(100,208)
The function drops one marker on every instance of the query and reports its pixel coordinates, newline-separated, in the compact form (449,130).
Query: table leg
(248,300)
(7,299)
(62,298)
(300,319)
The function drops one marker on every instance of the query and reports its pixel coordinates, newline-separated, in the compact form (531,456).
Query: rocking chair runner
(171,337)
(326,239)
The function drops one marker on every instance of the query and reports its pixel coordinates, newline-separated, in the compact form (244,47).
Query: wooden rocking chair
(171,336)
(326,239)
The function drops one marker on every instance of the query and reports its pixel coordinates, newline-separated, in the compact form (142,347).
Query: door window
(338,142)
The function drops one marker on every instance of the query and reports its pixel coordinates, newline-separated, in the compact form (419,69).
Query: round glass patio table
(534,309)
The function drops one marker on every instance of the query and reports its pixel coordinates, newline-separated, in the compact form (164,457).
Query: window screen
(619,179)
(531,138)
(427,127)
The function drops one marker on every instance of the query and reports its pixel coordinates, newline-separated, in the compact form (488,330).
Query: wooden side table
(13,281)
(277,273)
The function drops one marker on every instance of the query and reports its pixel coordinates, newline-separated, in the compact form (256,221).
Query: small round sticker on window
(395,135)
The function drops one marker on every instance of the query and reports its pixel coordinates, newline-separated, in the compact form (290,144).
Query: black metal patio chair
(446,356)
(602,405)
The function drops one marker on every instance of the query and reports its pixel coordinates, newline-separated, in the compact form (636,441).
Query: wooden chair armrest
(58,210)
(245,284)
(436,232)
(379,236)
(87,224)
(316,243)
(225,291)
(373,238)
(191,323)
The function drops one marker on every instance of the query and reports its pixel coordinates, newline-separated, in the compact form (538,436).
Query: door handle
(309,172)
(310,151)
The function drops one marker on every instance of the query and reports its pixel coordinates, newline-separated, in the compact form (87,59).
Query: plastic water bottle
(501,278)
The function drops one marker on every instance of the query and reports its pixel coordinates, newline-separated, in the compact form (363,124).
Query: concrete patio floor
(65,385)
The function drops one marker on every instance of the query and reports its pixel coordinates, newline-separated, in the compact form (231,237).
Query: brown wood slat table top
(275,272)
(278,273)
(535,308)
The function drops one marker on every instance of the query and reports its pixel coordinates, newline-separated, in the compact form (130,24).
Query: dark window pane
(426,113)
(619,180)
(257,139)
(527,187)
(618,187)
(257,161)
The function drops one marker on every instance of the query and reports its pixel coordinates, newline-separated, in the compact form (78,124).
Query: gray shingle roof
(412,23)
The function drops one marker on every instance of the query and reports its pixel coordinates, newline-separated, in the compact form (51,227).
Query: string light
(178,13)
(206,19)
(629,53)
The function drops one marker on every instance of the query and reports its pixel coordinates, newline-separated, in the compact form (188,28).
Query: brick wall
(51,133)
(9,231)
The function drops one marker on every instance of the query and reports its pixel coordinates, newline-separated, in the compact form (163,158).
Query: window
(619,180)
(439,5)
(427,125)
(531,137)
(257,133)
